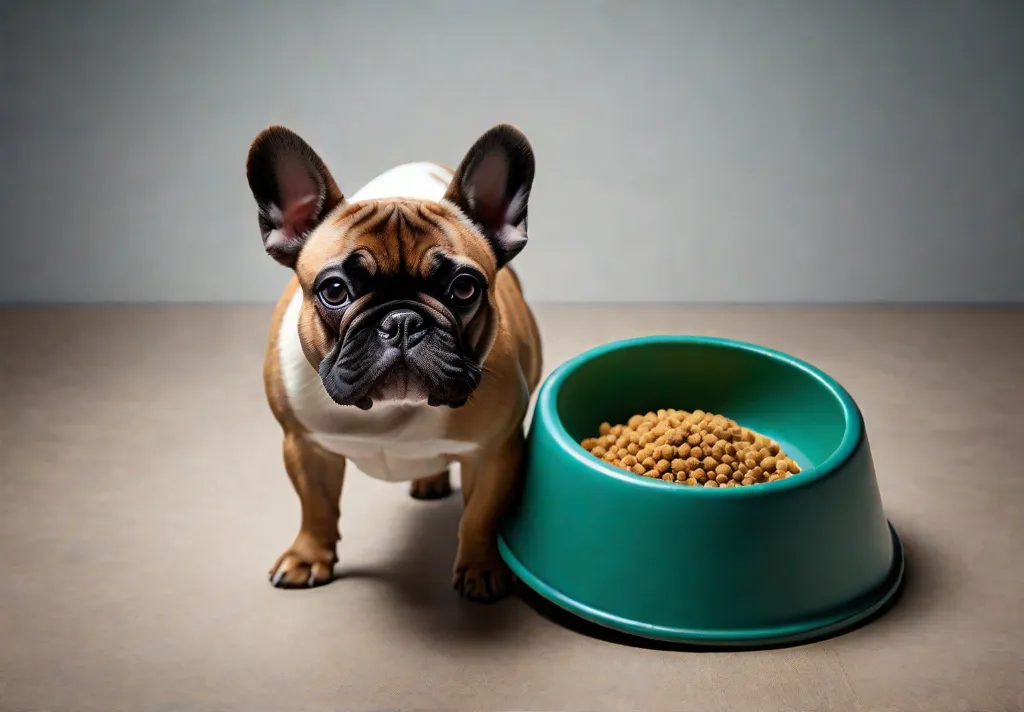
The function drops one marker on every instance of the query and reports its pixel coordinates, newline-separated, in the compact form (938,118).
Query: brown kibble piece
(730,483)
(598,451)
(679,465)
(768,464)
(632,448)
(747,481)
(693,440)
(649,463)
(654,474)
(667,452)
(629,460)
(711,483)
(697,452)
(638,469)
(692,482)
(722,479)
(663,466)
(699,475)
(668,477)
(723,470)
(782,466)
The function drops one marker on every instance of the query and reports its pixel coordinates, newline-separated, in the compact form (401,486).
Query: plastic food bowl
(781,562)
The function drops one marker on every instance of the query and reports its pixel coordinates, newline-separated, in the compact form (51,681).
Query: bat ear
(492,187)
(293,189)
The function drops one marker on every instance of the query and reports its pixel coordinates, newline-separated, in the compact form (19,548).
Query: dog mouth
(373,363)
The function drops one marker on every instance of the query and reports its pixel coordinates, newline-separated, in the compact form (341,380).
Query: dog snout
(403,327)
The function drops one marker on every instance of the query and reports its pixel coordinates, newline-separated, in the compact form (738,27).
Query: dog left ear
(492,187)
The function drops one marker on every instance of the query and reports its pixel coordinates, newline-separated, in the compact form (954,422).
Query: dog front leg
(317,476)
(489,483)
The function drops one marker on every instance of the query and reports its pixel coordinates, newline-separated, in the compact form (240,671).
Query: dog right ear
(293,189)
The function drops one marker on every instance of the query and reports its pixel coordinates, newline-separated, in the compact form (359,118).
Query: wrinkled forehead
(395,238)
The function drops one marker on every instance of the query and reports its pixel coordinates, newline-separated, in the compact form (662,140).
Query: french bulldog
(402,343)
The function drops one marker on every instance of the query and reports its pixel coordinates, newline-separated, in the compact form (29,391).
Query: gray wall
(815,150)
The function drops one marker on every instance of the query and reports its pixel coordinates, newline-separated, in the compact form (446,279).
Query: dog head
(398,294)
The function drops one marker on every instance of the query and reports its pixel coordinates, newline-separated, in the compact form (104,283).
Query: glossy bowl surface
(772,563)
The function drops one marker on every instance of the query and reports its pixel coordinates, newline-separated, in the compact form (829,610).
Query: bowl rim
(547,407)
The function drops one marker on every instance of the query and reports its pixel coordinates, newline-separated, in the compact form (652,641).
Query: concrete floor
(142,500)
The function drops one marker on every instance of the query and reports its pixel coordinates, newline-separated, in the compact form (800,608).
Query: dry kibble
(691,448)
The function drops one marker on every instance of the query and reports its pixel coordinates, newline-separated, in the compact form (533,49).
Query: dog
(403,342)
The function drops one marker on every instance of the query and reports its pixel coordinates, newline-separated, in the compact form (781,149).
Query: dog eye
(464,289)
(333,293)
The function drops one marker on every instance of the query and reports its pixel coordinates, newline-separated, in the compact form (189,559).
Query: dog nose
(403,326)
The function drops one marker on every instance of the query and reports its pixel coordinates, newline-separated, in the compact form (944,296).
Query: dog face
(398,294)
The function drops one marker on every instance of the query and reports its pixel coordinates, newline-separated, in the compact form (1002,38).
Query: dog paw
(486,582)
(435,487)
(303,567)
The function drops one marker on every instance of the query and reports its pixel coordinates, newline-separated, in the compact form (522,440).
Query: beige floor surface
(142,499)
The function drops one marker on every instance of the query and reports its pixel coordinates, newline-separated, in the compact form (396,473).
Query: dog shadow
(417,581)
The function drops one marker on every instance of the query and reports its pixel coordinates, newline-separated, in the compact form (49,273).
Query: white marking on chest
(394,442)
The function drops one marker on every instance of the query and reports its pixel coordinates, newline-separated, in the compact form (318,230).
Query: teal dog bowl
(781,562)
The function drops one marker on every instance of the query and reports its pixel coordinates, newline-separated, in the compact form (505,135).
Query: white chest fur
(394,442)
